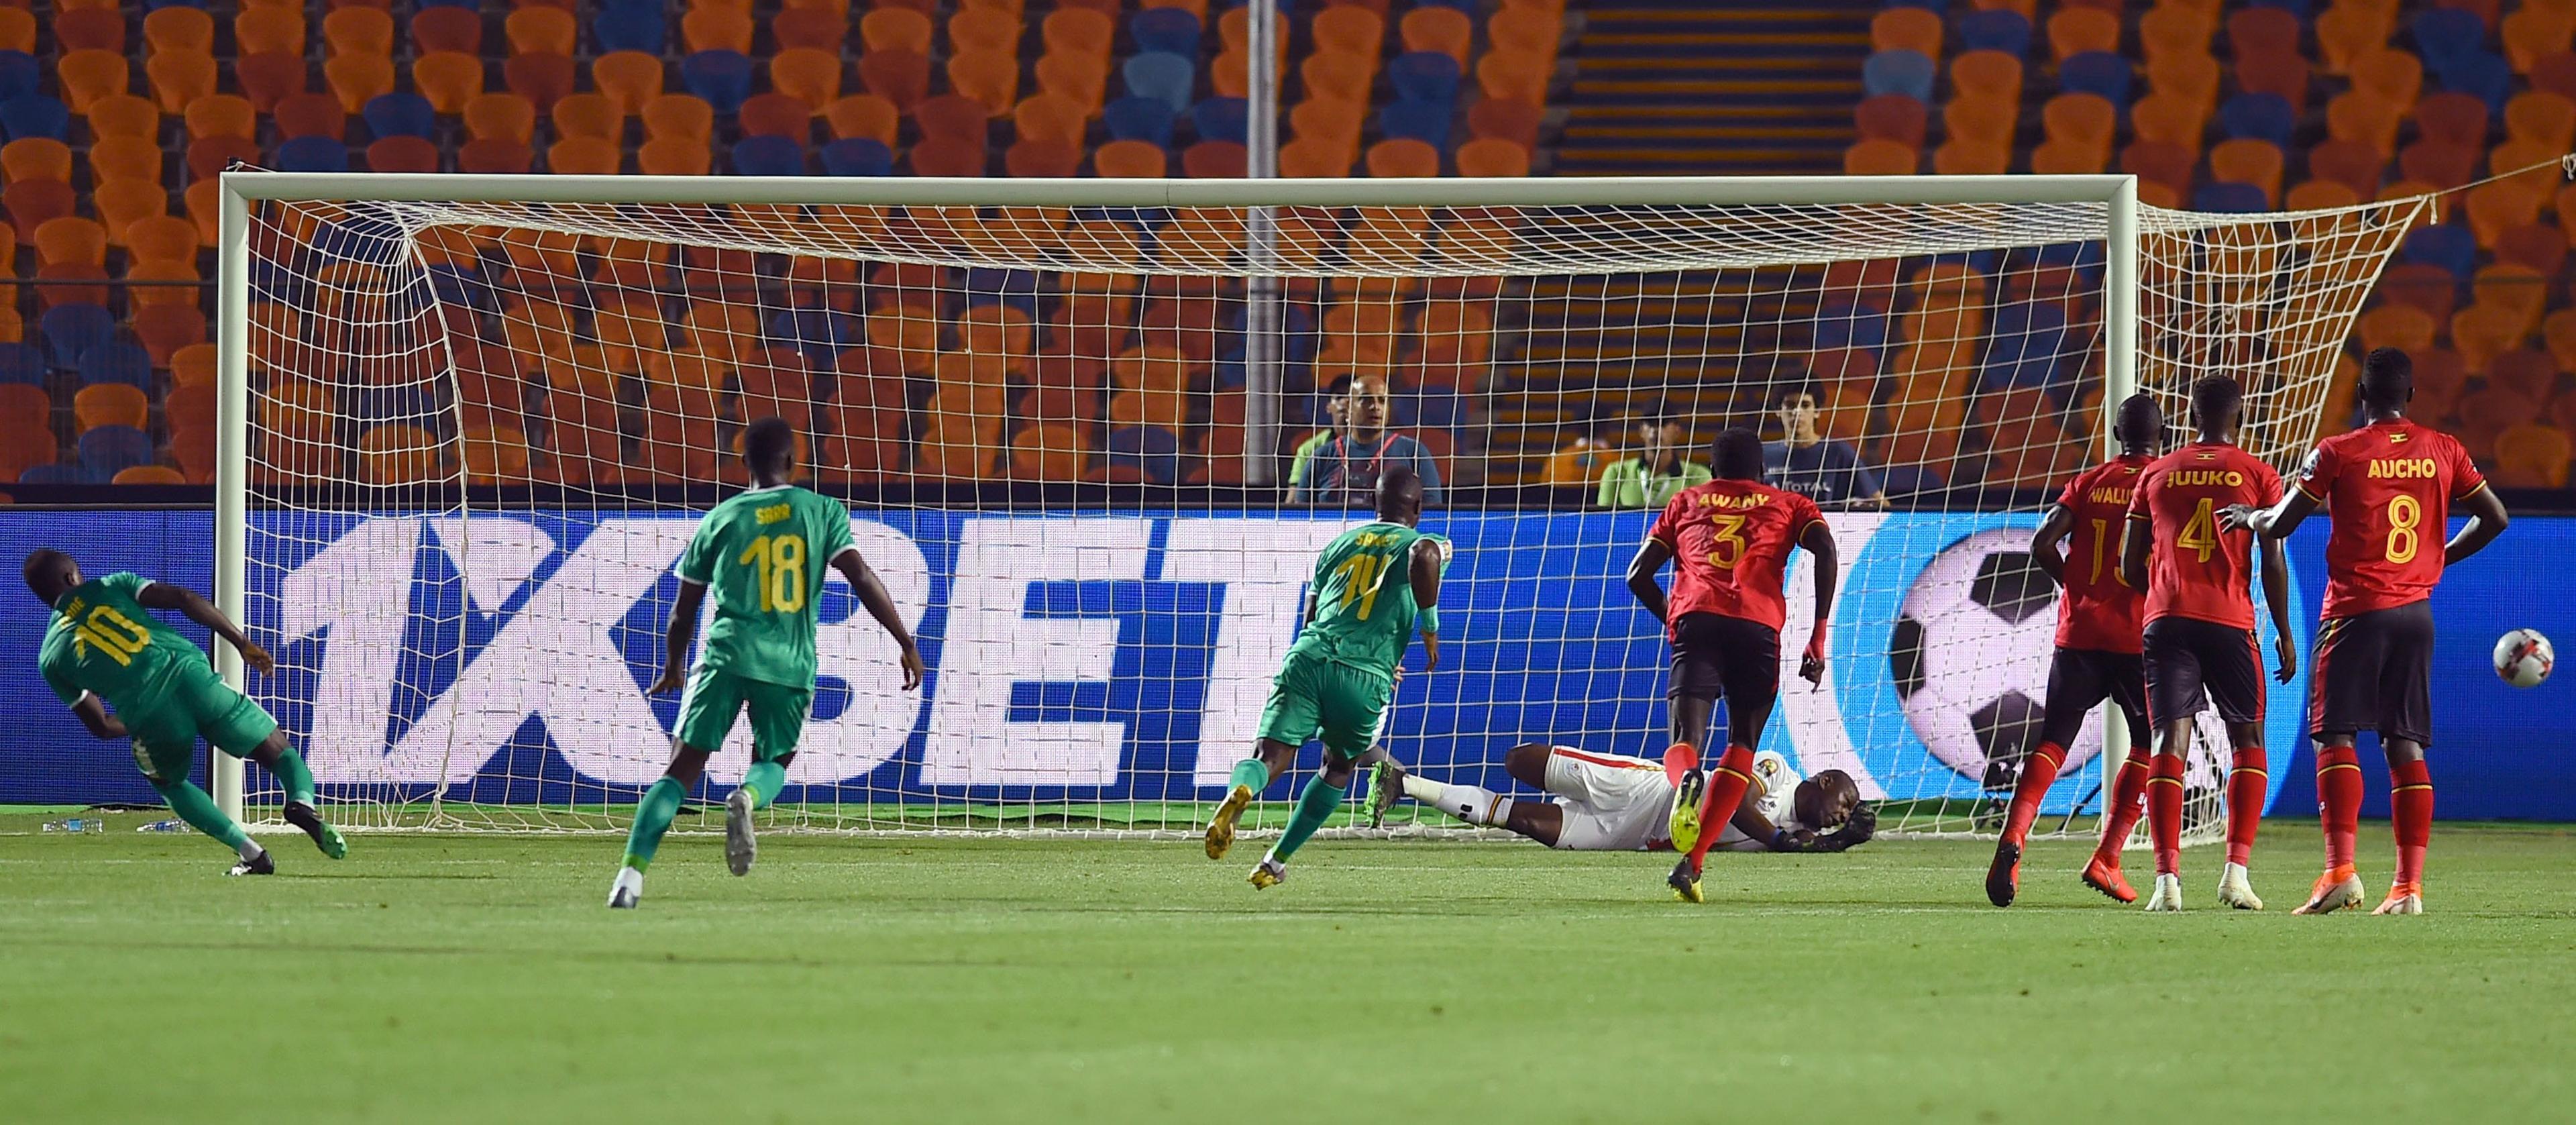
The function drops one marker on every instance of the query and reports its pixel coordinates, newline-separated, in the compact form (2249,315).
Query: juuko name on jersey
(2187,478)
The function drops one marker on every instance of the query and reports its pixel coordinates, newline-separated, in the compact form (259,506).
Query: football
(2523,658)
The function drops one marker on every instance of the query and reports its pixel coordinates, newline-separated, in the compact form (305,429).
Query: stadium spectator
(1343,474)
(1579,462)
(1806,462)
(1334,396)
(1659,470)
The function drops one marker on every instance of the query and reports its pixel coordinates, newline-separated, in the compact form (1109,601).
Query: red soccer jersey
(2098,610)
(2389,488)
(1731,541)
(2194,569)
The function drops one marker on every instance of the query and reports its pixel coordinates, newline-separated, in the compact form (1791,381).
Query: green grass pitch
(456,979)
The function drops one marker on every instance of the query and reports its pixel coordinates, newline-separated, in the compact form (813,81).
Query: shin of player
(2388,487)
(763,554)
(1373,587)
(1729,541)
(2199,639)
(2098,625)
(105,647)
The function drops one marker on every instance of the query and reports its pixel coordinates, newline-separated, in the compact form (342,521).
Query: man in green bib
(105,648)
(1372,587)
(762,553)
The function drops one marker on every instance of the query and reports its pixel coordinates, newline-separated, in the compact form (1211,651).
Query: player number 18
(780,559)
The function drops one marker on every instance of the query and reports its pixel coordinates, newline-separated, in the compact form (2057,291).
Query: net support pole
(2119,381)
(232,460)
(1264,343)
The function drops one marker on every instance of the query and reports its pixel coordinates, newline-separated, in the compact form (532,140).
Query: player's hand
(2289,654)
(2236,517)
(1811,668)
(672,678)
(256,658)
(913,669)
(1430,652)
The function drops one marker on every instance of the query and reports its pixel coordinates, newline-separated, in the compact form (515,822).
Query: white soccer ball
(1970,653)
(2523,658)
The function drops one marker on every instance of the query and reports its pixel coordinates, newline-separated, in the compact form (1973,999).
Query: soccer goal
(470,422)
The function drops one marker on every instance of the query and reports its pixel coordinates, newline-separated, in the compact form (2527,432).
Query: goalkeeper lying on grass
(1612,802)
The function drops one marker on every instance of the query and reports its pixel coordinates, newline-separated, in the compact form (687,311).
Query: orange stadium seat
(447,28)
(807,74)
(1446,31)
(984,29)
(900,77)
(541,30)
(18,31)
(502,116)
(2074,31)
(88,76)
(111,404)
(679,117)
(89,29)
(259,31)
(179,77)
(359,31)
(628,78)
(36,158)
(902,29)
(2532,32)
(863,115)
(448,79)
(1906,29)
(717,29)
(587,115)
(1079,77)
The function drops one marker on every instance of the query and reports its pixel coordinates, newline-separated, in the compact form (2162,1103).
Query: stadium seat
(629,25)
(900,77)
(1041,158)
(358,79)
(1139,119)
(768,156)
(2352,163)
(2395,77)
(441,28)
(629,79)
(38,158)
(311,115)
(716,29)
(2542,117)
(1129,159)
(1167,78)
(2347,31)
(1427,122)
(35,115)
(721,78)
(1988,74)
(990,78)
(1439,30)
(578,155)
(111,404)
(807,74)
(1493,157)
(776,115)
(70,239)
(400,115)
(500,116)
(359,31)
(1995,30)
(536,29)
(2263,117)
(867,117)
(448,79)
(312,154)
(1422,76)
(679,117)
(211,156)
(1403,158)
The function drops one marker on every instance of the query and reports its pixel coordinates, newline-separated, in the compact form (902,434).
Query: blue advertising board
(1125,655)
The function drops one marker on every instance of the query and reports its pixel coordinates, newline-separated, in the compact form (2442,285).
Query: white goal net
(1065,417)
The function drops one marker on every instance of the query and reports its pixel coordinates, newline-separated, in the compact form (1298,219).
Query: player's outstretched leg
(1386,783)
(2038,772)
(282,760)
(1251,776)
(1726,784)
(2128,803)
(1315,804)
(199,810)
(652,820)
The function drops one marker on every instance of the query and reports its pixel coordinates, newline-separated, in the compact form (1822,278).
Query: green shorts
(194,703)
(1313,695)
(715,696)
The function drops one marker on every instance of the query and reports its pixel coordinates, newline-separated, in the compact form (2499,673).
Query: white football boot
(2234,889)
(627,890)
(2167,895)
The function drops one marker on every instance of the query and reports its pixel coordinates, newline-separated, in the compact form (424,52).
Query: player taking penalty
(2200,628)
(763,554)
(2097,653)
(1729,542)
(1373,586)
(2388,486)
(105,648)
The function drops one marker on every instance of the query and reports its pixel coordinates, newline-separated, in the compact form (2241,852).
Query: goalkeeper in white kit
(1613,802)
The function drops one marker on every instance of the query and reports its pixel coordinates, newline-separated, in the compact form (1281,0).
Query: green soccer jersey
(762,556)
(103,642)
(1363,589)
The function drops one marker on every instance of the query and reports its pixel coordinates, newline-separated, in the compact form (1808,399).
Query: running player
(2200,627)
(2097,653)
(1729,541)
(1616,803)
(2386,486)
(105,648)
(764,552)
(1373,586)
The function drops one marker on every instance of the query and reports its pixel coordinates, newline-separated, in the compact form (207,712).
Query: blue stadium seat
(35,115)
(2263,117)
(1222,119)
(723,78)
(55,474)
(116,362)
(1172,31)
(157,5)
(630,25)
(1424,76)
(1139,119)
(768,156)
(1842,324)
(466,4)
(400,115)
(2240,199)
(2452,246)
(1016,288)
(20,74)
(1899,72)
(817,334)
(107,450)
(454,284)
(71,330)
(2297,8)
(857,156)
(1471,7)
(1150,450)
(1428,122)
(25,363)
(2099,73)
(2025,346)
(1995,29)
(312,154)
(2479,74)
(1938,7)
(2443,35)
(1164,78)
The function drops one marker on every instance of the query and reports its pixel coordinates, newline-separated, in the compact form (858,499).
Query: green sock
(194,806)
(1251,774)
(1314,806)
(295,775)
(653,818)
(764,780)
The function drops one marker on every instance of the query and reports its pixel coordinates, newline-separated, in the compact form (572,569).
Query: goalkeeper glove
(1855,831)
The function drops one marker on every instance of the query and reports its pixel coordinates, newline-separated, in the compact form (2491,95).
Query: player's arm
(194,606)
(2134,542)
(1748,819)
(880,605)
(93,714)
(1425,575)
(682,629)
(2045,543)
(1650,560)
(2276,593)
(2274,523)
(1818,539)
(2486,521)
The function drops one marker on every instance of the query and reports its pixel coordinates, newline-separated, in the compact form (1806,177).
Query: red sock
(2164,812)
(2128,803)
(2410,806)
(2246,784)
(2338,801)
(1726,785)
(2038,772)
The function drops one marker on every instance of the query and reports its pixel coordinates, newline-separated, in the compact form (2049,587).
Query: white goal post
(1969,338)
